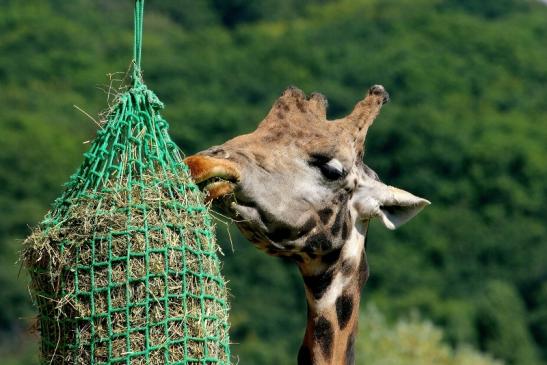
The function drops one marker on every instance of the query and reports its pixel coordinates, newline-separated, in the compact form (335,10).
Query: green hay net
(124,268)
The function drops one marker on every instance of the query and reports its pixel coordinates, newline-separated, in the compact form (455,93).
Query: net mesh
(124,268)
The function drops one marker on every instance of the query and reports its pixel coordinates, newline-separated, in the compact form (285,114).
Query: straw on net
(124,268)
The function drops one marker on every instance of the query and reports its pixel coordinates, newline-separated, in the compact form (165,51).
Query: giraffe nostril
(214,151)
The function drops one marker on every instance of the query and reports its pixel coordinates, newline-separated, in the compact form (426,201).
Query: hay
(130,272)
(124,269)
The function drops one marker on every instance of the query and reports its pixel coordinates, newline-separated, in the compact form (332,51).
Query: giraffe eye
(331,172)
(331,168)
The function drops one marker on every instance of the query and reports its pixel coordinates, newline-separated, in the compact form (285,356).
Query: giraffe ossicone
(298,187)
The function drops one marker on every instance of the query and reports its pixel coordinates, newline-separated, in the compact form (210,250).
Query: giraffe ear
(393,206)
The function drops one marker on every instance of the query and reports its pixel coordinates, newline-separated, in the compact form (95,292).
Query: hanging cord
(138,84)
(137,49)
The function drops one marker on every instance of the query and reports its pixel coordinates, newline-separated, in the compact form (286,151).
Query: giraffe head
(297,186)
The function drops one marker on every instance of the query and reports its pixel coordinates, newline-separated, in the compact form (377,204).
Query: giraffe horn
(292,99)
(318,105)
(364,113)
(293,103)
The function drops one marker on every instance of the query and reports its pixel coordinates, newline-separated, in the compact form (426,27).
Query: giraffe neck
(333,294)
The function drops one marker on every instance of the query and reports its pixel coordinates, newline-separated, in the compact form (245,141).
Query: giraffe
(297,187)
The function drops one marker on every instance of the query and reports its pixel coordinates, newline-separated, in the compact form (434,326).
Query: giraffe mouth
(216,187)
(217,177)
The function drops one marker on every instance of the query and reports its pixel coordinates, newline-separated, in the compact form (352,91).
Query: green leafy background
(467,129)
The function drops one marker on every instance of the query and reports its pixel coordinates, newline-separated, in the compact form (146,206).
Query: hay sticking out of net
(124,269)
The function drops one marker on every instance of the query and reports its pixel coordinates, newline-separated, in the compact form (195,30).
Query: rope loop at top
(137,49)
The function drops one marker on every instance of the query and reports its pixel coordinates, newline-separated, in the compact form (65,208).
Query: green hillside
(466,129)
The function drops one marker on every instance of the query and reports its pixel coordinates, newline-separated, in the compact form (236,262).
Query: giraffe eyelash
(328,167)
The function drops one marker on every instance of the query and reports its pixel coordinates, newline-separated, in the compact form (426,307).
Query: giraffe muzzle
(217,177)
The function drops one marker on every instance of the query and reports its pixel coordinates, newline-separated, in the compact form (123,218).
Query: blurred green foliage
(466,129)
(411,341)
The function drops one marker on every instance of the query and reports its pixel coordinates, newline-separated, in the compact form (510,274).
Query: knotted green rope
(137,46)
